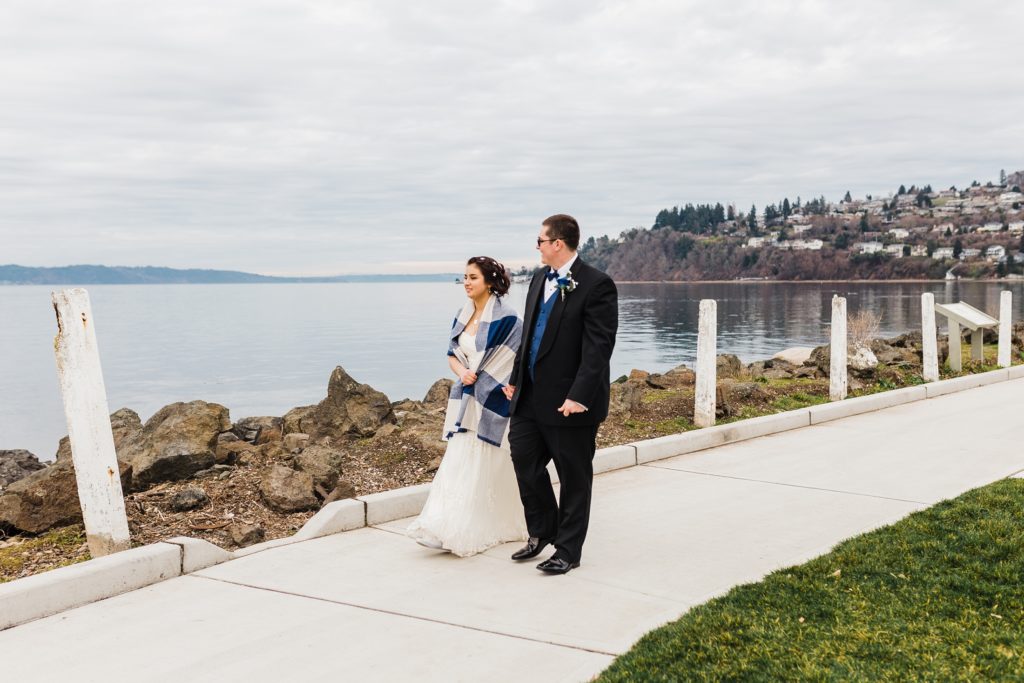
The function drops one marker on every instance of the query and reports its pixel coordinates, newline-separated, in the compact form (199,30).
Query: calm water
(263,349)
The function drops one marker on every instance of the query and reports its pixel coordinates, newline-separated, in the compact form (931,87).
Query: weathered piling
(85,407)
(929,342)
(837,366)
(704,397)
(1005,315)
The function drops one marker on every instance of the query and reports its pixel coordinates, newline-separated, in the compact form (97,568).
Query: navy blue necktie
(552,274)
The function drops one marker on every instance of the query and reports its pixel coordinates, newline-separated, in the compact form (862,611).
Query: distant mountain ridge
(12,274)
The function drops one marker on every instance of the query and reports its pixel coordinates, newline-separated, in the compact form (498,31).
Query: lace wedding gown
(474,499)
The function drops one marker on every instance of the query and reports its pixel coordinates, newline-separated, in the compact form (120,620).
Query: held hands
(467,377)
(570,407)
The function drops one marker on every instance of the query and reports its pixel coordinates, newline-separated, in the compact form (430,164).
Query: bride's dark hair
(494,273)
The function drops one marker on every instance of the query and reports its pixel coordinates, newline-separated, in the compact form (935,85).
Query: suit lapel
(530,310)
(555,318)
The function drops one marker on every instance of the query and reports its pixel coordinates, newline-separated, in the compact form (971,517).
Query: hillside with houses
(913,233)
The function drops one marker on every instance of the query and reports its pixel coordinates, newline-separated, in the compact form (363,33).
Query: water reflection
(658,322)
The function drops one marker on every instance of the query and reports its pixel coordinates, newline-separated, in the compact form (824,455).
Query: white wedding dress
(474,499)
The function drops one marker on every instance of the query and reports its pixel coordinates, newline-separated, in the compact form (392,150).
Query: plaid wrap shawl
(482,406)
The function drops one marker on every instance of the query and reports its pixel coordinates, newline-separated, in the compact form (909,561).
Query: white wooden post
(955,359)
(1005,313)
(978,344)
(704,396)
(929,343)
(837,367)
(88,417)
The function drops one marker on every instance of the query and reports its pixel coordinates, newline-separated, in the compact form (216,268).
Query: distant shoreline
(771,282)
(12,274)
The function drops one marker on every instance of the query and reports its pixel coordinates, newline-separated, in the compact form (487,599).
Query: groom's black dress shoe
(531,549)
(556,565)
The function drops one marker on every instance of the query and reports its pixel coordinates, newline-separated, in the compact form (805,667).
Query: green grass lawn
(938,596)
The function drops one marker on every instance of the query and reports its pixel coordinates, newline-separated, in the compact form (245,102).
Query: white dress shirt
(550,286)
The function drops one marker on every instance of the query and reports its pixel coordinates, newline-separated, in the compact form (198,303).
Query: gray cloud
(323,137)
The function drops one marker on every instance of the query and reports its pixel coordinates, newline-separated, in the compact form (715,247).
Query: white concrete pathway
(372,605)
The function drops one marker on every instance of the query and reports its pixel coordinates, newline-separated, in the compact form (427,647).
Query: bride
(474,499)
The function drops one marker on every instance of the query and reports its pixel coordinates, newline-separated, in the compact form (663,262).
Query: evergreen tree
(864,225)
(787,210)
(847,198)
(958,248)
(731,212)
(1002,176)
(752,218)
(902,190)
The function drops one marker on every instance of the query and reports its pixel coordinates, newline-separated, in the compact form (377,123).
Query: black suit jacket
(574,356)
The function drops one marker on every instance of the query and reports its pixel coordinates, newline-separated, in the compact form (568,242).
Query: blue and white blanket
(482,406)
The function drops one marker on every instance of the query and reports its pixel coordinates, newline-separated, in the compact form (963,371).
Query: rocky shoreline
(189,470)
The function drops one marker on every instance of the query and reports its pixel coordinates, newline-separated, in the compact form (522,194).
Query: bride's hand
(467,378)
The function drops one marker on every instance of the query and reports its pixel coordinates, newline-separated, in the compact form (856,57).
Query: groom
(559,393)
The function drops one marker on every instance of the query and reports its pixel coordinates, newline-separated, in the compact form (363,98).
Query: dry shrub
(862,327)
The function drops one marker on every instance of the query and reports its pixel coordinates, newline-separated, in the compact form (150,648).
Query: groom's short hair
(563,227)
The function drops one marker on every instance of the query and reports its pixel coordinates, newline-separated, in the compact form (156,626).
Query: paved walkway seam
(782,483)
(404,615)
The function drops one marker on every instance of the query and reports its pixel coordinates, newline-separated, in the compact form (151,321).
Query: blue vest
(543,313)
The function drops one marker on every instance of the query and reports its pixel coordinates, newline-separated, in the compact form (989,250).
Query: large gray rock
(437,394)
(259,430)
(795,355)
(728,366)
(676,378)
(350,409)
(626,397)
(861,362)
(731,396)
(124,424)
(772,369)
(17,464)
(287,490)
(323,463)
(48,497)
(178,441)
(295,418)
(45,499)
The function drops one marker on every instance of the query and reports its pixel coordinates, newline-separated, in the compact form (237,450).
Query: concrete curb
(866,404)
(709,437)
(42,595)
(680,444)
(948,386)
(198,554)
(333,518)
(388,506)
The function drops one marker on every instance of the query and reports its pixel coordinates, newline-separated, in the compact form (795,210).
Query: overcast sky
(309,138)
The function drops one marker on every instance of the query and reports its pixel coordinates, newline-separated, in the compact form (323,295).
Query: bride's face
(473,281)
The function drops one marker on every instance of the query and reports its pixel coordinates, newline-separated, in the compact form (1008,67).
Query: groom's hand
(509,391)
(569,407)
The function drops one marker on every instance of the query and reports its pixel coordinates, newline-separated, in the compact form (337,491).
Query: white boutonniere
(566,285)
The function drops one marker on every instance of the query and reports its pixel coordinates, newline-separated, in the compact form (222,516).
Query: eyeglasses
(541,239)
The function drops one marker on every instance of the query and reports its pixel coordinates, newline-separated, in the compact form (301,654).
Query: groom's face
(548,248)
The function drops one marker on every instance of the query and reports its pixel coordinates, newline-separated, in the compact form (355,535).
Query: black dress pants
(533,446)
